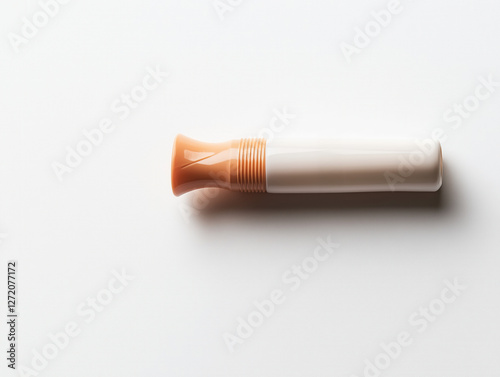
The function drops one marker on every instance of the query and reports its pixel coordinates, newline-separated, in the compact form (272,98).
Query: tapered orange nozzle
(234,165)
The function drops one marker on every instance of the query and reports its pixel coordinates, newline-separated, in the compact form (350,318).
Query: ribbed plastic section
(251,174)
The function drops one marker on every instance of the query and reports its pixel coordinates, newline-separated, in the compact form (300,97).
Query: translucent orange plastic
(238,165)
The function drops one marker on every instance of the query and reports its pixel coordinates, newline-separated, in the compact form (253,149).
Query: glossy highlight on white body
(352,165)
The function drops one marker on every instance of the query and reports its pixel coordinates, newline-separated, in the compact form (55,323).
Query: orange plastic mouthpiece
(238,165)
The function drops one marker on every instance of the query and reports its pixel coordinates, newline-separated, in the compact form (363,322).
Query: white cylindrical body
(345,165)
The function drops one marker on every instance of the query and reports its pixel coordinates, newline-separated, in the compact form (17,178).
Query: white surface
(201,260)
(352,165)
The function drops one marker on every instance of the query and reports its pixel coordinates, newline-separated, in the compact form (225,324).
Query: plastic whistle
(307,166)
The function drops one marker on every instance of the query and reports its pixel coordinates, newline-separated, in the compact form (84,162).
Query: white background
(198,263)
